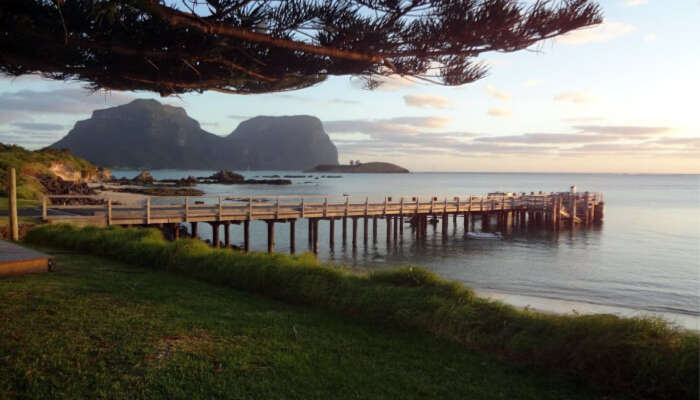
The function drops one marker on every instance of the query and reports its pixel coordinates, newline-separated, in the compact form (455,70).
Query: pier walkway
(550,210)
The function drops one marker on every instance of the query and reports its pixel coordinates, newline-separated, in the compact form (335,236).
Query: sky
(620,97)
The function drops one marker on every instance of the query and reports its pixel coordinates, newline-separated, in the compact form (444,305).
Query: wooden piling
(194,230)
(374,229)
(270,236)
(331,232)
(215,234)
(176,231)
(315,238)
(227,235)
(586,212)
(365,234)
(345,230)
(388,228)
(354,232)
(445,220)
(292,236)
(246,235)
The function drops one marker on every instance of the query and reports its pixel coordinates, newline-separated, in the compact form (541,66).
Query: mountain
(293,142)
(146,134)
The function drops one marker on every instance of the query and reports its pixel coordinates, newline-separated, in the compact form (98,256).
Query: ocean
(644,259)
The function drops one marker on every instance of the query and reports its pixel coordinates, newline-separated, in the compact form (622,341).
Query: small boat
(485,235)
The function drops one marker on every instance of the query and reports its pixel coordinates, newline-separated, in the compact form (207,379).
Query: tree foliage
(259,46)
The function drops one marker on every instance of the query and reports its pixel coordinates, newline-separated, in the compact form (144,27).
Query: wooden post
(176,231)
(445,219)
(246,235)
(374,229)
(388,228)
(354,232)
(12,210)
(365,234)
(466,222)
(148,210)
(331,232)
(401,225)
(193,229)
(396,228)
(270,236)
(187,209)
(345,229)
(215,234)
(315,239)
(277,208)
(227,235)
(292,236)
(302,206)
(109,212)
(250,207)
(586,212)
(325,206)
(311,231)
(572,205)
(44,208)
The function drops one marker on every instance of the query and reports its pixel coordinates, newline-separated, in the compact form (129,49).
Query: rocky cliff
(146,134)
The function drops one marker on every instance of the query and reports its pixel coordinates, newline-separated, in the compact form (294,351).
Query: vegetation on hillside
(30,164)
(643,357)
(97,328)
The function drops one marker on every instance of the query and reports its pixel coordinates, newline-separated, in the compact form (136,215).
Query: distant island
(361,168)
(146,134)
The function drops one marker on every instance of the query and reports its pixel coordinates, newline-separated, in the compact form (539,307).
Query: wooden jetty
(18,260)
(504,210)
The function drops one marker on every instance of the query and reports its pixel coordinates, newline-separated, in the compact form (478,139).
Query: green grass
(98,328)
(642,357)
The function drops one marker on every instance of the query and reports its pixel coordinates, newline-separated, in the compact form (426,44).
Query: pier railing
(155,210)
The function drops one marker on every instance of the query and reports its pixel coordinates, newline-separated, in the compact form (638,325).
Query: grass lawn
(97,328)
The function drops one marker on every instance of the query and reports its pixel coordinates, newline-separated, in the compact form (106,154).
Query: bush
(643,357)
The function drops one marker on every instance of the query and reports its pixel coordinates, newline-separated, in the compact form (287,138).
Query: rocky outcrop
(146,134)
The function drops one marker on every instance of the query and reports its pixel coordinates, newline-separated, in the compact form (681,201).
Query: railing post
(432,203)
(221,213)
(148,210)
(250,207)
(444,209)
(458,201)
(187,208)
(385,204)
(347,205)
(109,212)
(302,206)
(401,207)
(417,204)
(44,206)
(366,209)
(325,206)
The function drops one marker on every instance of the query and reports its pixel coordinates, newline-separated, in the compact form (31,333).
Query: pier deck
(553,210)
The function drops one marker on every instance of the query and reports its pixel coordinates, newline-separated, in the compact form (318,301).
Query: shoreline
(571,307)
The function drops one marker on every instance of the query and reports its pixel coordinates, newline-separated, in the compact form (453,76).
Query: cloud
(604,32)
(343,101)
(499,112)
(61,101)
(582,97)
(389,125)
(426,100)
(238,116)
(544,138)
(532,82)
(634,3)
(497,94)
(583,119)
(37,126)
(624,130)
(649,37)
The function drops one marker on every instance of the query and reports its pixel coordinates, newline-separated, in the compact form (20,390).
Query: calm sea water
(644,259)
